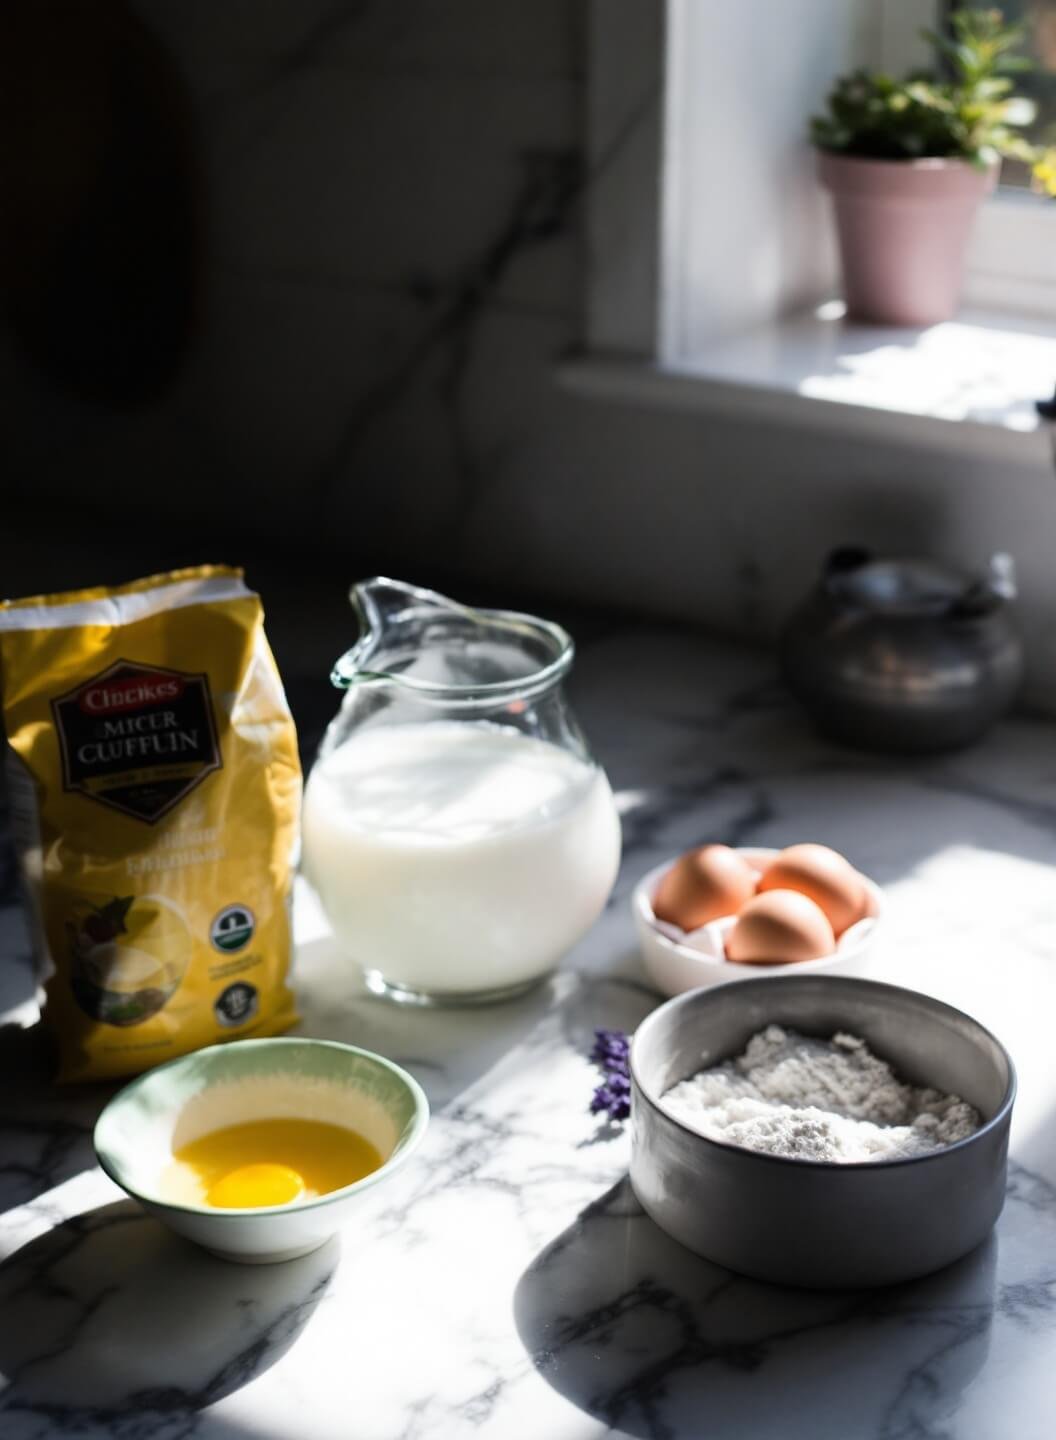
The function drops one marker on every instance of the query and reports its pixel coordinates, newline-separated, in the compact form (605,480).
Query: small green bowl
(248,1080)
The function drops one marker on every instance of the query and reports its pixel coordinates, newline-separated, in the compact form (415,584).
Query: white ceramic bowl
(259,1080)
(676,961)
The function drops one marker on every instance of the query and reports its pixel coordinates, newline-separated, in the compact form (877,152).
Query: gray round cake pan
(804,1222)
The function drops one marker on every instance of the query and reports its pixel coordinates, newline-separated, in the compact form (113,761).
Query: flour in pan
(808,1099)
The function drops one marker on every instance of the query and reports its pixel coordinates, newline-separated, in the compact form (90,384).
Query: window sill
(968,385)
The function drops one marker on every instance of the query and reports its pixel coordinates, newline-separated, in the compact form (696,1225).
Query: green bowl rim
(418,1128)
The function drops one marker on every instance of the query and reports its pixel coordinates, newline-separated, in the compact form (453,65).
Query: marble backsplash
(391,269)
(394,266)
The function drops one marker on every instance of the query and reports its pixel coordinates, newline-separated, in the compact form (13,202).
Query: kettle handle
(984,596)
(842,561)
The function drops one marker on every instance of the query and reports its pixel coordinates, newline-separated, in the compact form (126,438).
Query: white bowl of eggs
(717,914)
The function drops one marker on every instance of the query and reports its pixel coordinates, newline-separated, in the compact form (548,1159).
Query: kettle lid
(899,587)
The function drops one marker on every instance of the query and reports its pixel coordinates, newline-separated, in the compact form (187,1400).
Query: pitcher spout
(384,608)
(443,651)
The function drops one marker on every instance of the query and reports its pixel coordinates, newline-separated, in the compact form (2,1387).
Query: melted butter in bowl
(268,1162)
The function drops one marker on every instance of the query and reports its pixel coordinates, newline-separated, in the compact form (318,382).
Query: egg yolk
(251,1185)
(268,1162)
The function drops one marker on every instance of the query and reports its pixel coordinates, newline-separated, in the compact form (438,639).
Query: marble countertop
(506,1284)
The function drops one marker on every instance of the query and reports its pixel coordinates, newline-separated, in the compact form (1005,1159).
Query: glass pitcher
(457,830)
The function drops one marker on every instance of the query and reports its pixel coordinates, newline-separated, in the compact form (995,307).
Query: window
(705,219)
(1012,261)
(1039,18)
(746,234)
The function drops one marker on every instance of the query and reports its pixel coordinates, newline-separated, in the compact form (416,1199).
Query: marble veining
(549,183)
(507,1283)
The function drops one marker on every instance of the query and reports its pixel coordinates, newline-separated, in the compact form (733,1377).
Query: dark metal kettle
(904,655)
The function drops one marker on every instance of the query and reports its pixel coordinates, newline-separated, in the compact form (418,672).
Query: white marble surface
(507,1285)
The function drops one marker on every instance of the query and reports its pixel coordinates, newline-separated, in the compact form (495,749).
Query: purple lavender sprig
(611,1054)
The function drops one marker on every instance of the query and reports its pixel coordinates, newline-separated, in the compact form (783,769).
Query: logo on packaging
(236,1005)
(137,738)
(232,929)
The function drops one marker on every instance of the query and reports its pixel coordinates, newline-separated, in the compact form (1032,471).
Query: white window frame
(1012,259)
(644,298)
(1023,226)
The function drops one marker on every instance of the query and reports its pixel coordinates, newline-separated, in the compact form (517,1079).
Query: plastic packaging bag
(155,787)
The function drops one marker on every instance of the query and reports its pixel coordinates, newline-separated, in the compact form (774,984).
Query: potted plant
(909,161)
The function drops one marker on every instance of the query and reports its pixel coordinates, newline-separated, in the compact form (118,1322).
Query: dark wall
(290,275)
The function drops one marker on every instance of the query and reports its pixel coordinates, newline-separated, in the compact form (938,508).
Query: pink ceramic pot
(904,227)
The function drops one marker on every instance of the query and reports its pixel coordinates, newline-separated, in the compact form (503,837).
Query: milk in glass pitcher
(457,829)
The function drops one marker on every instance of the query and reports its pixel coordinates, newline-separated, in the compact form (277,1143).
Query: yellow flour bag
(154,782)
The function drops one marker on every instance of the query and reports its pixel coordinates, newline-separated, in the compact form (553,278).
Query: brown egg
(704,885)
(779,928)
(828,879)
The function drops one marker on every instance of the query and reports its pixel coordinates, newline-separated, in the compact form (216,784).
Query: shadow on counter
(655,1341)
(109,1314)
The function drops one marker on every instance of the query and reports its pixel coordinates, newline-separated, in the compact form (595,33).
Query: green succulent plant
(963,107)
